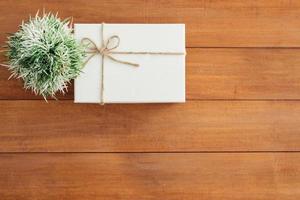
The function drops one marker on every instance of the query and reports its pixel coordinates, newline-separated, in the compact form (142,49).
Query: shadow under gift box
(160,78)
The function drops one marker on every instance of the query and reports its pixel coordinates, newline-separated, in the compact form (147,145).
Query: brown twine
(106,51)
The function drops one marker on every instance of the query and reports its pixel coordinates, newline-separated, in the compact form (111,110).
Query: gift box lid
(159,77)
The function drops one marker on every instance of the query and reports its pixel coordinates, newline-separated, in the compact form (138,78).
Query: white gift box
(160,78)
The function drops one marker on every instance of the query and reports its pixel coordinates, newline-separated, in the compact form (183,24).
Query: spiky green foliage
(44,53)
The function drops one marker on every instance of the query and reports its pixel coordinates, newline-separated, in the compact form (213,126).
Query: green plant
(44,53)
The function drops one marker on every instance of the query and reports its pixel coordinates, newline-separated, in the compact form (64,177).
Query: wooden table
(237,137)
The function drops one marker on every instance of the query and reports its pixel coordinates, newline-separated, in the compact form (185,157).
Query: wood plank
(63,126)
(243,73)
(218,73)
(150,176)
(239,23)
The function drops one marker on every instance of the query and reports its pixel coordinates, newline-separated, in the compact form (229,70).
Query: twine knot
(103,51)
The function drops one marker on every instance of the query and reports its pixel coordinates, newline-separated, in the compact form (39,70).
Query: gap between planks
(151,152)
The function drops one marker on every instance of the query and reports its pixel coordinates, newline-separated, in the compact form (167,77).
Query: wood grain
(239,73)
(35,126)
(150,176)
(236,138)
(217,73)
(218,23)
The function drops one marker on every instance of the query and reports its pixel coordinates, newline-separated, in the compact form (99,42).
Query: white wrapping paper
(159,78)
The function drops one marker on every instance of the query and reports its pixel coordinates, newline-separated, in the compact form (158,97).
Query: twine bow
(106,52)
